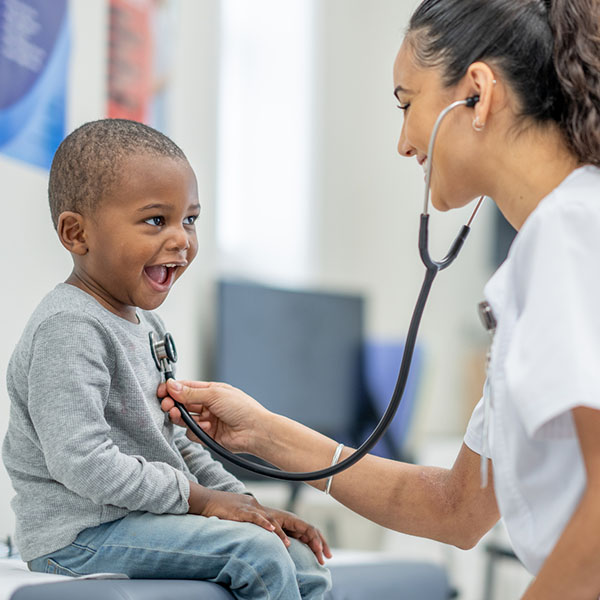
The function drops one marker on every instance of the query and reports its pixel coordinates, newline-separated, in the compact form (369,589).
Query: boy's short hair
(86,164)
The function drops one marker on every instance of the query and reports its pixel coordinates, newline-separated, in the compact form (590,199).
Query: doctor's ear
(71,232)
(481,79)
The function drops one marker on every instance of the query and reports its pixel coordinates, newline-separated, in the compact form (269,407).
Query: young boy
(103,481)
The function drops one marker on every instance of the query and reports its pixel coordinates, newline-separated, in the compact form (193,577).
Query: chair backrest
(381,363)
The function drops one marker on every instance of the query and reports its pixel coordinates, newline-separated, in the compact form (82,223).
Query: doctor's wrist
(266,435)
(276,439)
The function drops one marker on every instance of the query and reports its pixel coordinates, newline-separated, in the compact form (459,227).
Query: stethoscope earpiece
(472,101)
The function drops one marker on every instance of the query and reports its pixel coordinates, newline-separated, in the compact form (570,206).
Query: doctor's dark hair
(88,163)
(548,51)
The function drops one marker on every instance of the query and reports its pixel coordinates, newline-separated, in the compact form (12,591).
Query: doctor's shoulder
(560,240)
(575,203)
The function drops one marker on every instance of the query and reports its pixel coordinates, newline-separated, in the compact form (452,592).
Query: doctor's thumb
(189,387)
(185,392)
(174,386)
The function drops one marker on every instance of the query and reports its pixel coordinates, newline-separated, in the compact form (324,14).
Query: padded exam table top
(356,576)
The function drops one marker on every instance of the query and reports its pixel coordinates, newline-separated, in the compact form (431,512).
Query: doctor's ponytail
(576,28)
(547,50)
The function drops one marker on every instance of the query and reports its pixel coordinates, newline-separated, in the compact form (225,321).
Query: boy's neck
(125,312)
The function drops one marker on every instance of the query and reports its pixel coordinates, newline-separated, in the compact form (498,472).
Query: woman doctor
(532,143)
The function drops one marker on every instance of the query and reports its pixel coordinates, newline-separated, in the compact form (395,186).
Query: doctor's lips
(162,276)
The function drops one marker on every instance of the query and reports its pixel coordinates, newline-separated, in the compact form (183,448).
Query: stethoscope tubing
(366,446)
(432,139)
(431,270)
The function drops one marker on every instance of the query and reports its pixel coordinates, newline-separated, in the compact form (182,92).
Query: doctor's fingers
(168,405)
(195,395)
(204,419)
(230,405)
(176,384)
(206,422)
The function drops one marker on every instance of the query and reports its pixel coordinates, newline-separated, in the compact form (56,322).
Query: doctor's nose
(404,147)
(406,150)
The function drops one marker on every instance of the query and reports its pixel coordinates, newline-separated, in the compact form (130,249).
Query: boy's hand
(232,507)
(301,530)
(241,507)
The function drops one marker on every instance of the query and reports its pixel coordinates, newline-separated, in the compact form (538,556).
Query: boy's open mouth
(161,275)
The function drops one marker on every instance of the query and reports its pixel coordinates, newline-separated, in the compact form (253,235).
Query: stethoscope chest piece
(163,352)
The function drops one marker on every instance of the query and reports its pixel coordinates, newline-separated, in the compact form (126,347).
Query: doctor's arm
(573,568)
(447,505)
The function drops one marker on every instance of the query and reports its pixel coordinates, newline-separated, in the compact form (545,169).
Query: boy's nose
(179,239)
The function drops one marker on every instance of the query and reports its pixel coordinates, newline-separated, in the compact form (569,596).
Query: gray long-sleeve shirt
(87,441)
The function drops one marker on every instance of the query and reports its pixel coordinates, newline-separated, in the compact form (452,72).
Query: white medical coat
(545,360)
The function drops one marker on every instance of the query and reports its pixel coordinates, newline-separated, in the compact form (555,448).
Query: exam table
(361,577)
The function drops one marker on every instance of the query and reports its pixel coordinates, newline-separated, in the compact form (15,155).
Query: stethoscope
(164,353)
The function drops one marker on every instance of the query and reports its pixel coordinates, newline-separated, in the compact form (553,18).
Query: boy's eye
(404,107)
(156,221)
(190,220)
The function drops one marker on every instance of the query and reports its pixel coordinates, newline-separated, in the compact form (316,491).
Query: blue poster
(34,54)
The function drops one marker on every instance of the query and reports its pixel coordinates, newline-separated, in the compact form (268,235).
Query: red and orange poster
(130,59)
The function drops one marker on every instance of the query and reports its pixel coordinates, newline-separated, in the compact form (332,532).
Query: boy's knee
(276,566)
(303,557)
(313,578)
(264,545)
(261,565)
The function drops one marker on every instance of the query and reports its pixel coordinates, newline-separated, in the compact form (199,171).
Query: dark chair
(496,552)
(296,351)
(381,364)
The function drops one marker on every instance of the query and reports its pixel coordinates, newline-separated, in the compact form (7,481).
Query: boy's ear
(71,232)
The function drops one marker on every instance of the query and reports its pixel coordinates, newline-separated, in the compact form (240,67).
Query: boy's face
(142,237)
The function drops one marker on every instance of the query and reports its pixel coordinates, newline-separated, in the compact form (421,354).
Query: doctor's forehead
(405,70)
(411,78)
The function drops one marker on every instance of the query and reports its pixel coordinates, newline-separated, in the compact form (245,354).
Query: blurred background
(308,268)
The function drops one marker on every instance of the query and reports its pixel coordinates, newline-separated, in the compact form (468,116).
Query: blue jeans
(249,560)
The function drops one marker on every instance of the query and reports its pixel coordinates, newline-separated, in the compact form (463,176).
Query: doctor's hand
(228,415)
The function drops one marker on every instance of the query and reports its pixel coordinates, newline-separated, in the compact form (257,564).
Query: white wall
(369,199)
